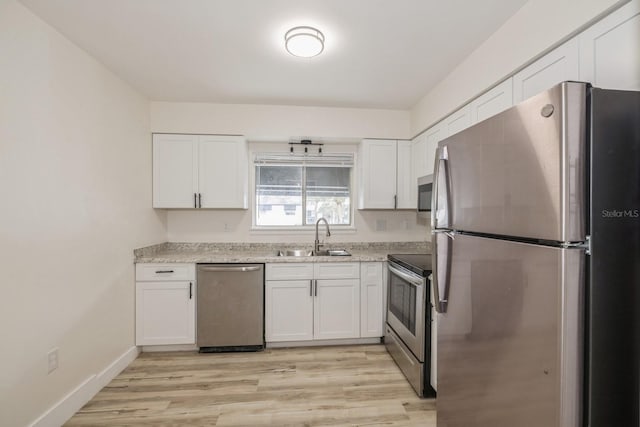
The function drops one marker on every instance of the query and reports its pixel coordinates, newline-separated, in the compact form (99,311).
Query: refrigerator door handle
(440,203)
(442,250)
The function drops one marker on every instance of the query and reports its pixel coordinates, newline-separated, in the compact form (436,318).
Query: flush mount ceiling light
(304,42)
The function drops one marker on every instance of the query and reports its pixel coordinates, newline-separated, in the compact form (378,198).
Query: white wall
(75,185)
(532,31)
(209,226)
(272,123)
(235,225)
(278,122)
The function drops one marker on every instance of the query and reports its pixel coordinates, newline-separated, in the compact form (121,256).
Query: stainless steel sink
(333,252)
(307,252)
(295,252)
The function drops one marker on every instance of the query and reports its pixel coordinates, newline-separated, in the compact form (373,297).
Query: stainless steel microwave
(425,191)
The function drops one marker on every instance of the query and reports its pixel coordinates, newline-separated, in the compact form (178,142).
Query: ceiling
(378,53)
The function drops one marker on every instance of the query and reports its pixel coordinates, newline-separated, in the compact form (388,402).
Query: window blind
(310,160)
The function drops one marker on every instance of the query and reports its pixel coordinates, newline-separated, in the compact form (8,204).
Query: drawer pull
(164,271)
(190,290)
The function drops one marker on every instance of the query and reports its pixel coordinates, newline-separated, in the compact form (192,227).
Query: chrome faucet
(316,246)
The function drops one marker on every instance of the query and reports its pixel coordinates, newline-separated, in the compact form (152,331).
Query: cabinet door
(557,66)
(371,305)
(406,189)
(165,313)
(492,102)
(288,310)
(458,121)
(377,174)
(175,177)
(610,50)
(419,157)
(223,170)
(433,135)
(336,311)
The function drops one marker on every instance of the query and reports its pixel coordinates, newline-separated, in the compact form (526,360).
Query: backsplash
(235,226)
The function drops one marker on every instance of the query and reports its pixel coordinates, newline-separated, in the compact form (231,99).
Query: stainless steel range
(408,328)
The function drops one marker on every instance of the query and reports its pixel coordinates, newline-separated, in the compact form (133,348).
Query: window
(296,190)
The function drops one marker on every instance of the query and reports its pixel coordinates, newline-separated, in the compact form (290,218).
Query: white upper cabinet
(385,174)
(223,171)
(405,186)
(424,150)
(200,171)
(418,158)
(492,102)
(610,50)
(557,66)
(433,135)
(458,121)
(175,177)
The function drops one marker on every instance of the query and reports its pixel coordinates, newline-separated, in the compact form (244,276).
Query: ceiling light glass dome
(305,42)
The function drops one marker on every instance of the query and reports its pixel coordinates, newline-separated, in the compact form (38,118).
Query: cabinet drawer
(337,270)
(161,271)
(289,271)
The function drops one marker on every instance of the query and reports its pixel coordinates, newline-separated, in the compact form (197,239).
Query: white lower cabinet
(336,309)
(316,301)
(165,304)
(372,304)
(288,310)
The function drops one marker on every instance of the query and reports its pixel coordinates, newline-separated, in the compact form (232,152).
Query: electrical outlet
(227,227)
(381,225)
(52,360)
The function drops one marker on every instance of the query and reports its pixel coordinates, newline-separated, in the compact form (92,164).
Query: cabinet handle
(195,200)
(315,282)
(311,287)
(199,200)
(190,290)
(395,202)
(164,271)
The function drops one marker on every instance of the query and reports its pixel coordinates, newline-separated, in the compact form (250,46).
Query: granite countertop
(267,252)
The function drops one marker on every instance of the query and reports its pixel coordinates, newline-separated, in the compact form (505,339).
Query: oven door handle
(409,278)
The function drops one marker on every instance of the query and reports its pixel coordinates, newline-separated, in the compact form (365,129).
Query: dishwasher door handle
(231,269)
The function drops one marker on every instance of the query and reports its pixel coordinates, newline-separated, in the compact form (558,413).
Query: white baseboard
(64,409)
(315,343)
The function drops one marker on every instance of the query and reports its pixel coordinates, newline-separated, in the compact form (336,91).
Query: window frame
(301,228)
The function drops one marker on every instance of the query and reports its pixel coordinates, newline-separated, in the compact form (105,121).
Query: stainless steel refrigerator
(536,242)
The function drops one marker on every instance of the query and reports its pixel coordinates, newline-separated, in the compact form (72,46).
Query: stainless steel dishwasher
(230,307)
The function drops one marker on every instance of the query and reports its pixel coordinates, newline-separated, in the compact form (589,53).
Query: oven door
(406,307)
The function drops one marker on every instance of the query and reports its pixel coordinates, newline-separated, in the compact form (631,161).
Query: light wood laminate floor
(311,386)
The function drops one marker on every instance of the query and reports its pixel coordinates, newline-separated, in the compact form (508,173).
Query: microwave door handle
(441,276)
(441,201)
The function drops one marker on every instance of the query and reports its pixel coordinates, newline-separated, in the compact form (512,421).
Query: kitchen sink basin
(333,252)
(295,252)
(306,252)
